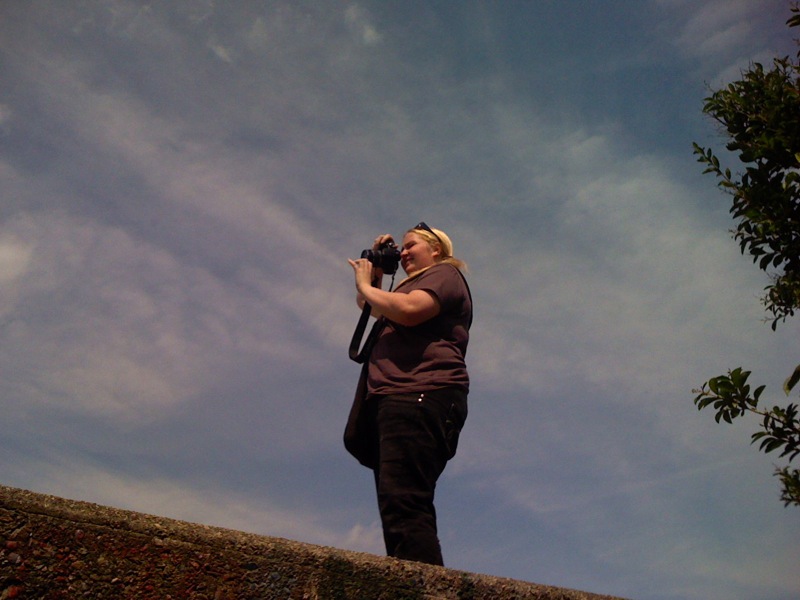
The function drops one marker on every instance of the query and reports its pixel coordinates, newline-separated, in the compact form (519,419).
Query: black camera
(386,257)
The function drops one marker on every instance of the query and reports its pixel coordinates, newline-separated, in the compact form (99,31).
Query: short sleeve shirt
(429,355)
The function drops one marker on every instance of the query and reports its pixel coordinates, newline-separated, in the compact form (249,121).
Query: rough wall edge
(309,569)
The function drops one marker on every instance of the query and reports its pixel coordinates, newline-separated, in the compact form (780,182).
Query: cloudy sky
(182,182)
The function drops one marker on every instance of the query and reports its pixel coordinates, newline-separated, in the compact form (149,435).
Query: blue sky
(181,184)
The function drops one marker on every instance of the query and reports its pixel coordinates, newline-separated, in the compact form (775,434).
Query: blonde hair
(437,240)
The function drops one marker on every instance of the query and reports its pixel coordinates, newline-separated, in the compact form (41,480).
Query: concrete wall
(52,548)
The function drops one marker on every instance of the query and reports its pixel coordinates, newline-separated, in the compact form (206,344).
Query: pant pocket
(456,417)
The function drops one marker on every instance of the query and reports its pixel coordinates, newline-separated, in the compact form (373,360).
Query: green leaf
(771,444)
(792,380)
(757,395)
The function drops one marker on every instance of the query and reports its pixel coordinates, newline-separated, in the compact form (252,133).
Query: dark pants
(416,435)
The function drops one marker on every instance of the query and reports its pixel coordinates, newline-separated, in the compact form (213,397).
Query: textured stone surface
(52,548)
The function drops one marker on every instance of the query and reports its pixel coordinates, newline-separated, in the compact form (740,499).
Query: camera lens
(386,258)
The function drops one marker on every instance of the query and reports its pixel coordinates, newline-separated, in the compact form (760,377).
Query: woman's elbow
(416,316)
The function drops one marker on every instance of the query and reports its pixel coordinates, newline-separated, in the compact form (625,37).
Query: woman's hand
(376,245)
(366,273)
(363,270)
(381,240)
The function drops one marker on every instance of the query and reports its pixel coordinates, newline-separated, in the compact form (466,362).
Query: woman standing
(416,385)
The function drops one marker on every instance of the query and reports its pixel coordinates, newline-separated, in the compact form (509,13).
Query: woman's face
(416,253)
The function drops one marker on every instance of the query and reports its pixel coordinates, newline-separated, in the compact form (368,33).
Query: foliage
(760,115)
(731,397)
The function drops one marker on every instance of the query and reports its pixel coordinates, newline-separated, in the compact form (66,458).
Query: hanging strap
(355,354)
(361,356)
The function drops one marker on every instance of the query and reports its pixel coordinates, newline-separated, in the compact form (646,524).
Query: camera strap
(361,356)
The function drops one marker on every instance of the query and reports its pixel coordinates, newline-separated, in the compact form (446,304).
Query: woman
(417,384)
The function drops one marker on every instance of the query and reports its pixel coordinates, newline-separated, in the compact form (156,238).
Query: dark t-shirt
(429,355)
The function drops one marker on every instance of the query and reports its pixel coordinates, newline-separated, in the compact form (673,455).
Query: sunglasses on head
(424,227)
